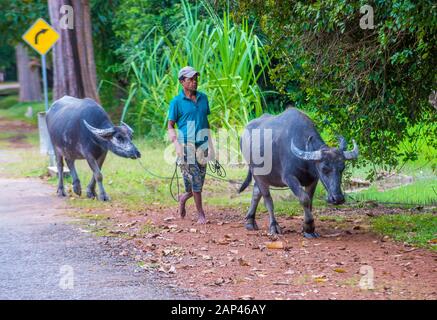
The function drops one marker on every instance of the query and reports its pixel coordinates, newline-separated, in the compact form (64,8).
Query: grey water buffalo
(81,129)
(299,159)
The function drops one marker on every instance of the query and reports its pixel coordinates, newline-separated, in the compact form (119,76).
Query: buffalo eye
(326,170)
(119,137)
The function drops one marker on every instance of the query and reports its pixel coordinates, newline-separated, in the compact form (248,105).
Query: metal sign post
(41,37)
(44,79)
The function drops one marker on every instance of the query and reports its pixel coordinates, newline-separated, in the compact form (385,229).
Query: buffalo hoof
(90,194)
(77,189)
(311,235)
(251,225)
(275,229)
(61,192)
(104,197)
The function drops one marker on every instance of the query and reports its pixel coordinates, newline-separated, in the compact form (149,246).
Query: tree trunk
(28,75)
(74,69)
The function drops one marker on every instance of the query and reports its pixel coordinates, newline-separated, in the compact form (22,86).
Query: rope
(175,174)
(151,173)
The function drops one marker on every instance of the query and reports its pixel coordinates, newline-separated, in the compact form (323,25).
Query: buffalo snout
(136,155)
(336,199)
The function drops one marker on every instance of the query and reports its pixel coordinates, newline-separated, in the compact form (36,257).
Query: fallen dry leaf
(281,283)
(208,271)
(320,278)
(223,242)
(243,262)
(332,235)
(167,252)
(340,270)
(275,245)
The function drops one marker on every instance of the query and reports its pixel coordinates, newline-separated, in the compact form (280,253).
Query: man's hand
(173,138)
(179,150)
(212,156)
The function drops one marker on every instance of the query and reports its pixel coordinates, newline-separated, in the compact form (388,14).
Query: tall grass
(229,57)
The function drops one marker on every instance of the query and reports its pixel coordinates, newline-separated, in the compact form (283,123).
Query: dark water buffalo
(81,129)
(299,158)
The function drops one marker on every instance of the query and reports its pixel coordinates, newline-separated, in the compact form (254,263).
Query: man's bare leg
(182,200)
(199,207)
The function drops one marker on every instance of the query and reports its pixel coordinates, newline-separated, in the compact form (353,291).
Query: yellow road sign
(41,36)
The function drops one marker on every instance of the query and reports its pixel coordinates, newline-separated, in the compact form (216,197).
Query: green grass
(416,229)
(421,192)
(8,101)
(12,109)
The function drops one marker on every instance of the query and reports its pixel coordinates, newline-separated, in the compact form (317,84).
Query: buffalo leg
(95,167)
(76,182)
(60,167)
(268,202)
(310,191)
(305,200)
(310,226)
(250,217)
(91,188)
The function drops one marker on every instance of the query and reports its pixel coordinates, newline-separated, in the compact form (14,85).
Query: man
(190,110)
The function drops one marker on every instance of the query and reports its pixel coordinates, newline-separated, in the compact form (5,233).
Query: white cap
(187,72)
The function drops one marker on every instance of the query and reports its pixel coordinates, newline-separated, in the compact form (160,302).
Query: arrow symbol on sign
(42,31)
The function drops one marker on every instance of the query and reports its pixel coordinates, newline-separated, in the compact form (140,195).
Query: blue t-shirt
(191,117)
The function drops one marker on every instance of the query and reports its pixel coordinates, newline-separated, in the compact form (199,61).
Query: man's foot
(201,219)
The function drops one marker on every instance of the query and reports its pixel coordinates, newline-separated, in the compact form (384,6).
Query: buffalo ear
(106,133)
(126,128)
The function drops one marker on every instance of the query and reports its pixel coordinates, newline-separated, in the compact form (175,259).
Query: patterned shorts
(193,173)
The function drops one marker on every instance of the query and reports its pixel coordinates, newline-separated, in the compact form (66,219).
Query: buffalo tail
(246,182)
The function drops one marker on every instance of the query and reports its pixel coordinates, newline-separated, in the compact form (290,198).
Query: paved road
(42,256)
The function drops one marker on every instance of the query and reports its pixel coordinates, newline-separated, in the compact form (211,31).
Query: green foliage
(229,57)
(371,85)
(134,19)
(105,46)
(17,16)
